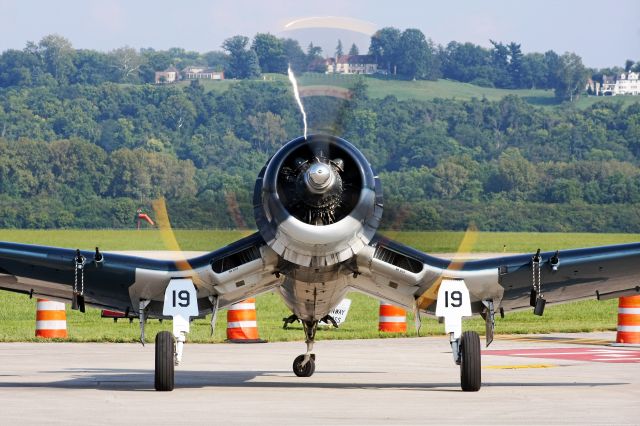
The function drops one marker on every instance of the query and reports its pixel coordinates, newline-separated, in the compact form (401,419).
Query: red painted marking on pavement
(609,355)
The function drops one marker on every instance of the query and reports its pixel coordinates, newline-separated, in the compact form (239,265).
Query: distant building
(352,64)
(195,72)
(625,84)
(170,75)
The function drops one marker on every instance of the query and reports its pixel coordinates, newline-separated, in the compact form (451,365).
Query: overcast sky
(603,33)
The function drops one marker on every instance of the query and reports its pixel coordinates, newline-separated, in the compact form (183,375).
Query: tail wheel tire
(165,352)
(306,370)
(470,364)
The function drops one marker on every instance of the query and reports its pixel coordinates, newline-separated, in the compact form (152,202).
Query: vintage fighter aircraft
(318,205)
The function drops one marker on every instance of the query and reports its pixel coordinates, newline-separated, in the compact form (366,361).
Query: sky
(603,35)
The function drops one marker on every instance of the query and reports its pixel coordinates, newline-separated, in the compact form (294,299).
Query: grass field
(206,240)
(17,312)
(423,90)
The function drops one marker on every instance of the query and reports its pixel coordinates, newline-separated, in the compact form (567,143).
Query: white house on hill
(172,75)
(352,64)
(625,84)
(192,73)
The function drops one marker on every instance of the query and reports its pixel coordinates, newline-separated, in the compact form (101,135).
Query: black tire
(306,370)
(470,364)
(165,349)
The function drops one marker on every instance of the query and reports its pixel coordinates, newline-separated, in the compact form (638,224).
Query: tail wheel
(470,364)
(165,352)
(306,370)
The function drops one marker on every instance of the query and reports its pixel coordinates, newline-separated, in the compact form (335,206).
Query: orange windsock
(628,320)
(51,319)
(242,326)
(392,319)
(144,216)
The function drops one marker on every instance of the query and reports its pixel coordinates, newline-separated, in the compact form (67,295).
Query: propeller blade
(166,233)
(457,262)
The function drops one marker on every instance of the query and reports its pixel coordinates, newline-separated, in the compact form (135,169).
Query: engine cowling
(317,201)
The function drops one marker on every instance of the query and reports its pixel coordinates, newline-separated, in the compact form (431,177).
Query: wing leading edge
(232,273)
(404,275)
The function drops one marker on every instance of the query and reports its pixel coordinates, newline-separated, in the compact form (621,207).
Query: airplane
(317,206)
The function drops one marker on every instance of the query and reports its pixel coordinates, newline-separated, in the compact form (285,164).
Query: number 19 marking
(456,299)
(184,298)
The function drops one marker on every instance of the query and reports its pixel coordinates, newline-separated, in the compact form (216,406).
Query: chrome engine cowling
(317,201)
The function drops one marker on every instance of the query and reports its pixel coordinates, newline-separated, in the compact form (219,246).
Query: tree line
(406,54)
(89,155)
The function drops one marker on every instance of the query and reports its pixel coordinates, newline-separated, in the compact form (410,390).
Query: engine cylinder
(317,201)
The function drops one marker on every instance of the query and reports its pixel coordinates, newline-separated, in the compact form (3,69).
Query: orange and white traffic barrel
(51,319)
(392,318)
(628,320)
(242,325)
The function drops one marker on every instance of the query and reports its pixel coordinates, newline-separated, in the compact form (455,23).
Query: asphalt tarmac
(555,379)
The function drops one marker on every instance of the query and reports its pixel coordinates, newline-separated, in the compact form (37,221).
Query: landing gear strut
(304,365)
(165,361)
(466,352)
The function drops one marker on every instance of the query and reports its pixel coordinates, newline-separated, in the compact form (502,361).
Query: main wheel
(165,350)
(470,377)
(304,371)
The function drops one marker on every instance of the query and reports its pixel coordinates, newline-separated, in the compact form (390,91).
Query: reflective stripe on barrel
(241,321)
(51,319)
(392,319)
(628,320)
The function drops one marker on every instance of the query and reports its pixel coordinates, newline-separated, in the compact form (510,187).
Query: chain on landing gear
(77,301)
(305,365)
(537,300)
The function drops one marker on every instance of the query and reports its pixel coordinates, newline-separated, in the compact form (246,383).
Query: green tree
(216,60)
(571,78)
(339,50)
(270,52)
(534,71)
(450,179)
(57,55)
(354,51)
(127,63)
(91,67)
(243,62)
(514,175)
(515,65)
(628,65)
(315,62)
(466,62)
(553,65)
(500,64)
(19,68)
(294,55)
(178,113)
(415,60)
(268,130)
(385,46)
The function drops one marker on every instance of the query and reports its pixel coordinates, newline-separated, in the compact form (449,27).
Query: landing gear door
(453,304)
(181,303)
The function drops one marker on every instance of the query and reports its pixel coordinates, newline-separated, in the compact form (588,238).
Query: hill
(422,90)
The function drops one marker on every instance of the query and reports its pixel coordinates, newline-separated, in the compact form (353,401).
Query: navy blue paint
(106,284)
(516,262)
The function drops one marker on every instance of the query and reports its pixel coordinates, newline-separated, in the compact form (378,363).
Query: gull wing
(230,274)
(405,276)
